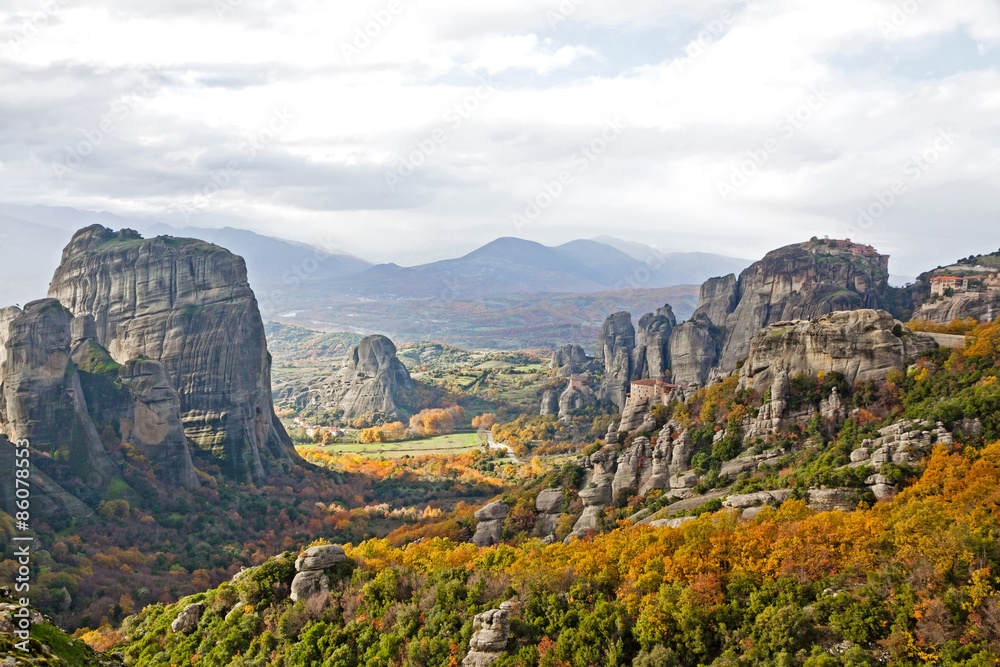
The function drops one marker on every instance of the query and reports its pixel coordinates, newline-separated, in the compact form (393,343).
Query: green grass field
(441,445)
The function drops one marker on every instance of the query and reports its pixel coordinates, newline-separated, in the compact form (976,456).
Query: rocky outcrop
(695,347)
(634,468)
(187,304)
(768,420)
(489,530)
(615,346)
(651,358)
(597,490)
(550,403)
(41,399)
(7,315)
(860,344)
(187,621)
(491,631)
(311,578)
(983,306)
(549,505)
(570,360)
(800,282)
(574,397)
(153,423)
(373,379)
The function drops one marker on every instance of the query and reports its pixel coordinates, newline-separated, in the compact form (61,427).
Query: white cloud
(693,109)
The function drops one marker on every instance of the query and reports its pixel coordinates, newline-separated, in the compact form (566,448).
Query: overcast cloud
(689,124)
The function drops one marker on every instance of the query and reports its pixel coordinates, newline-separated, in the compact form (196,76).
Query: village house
(580,383)
(939,284)
(992,282)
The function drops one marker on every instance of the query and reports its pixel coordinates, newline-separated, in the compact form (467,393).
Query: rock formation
(695,348)
(311,578)
(373,380)
(187,621)
(983,306)
(153,423)
(651,358)
(634,468)
(549,504)
(41,399)
(489,530)
(615,346)
(7,315)
(800,281)
(597,490)
(47,496)
(575,396)
(570,360)
(861,344)
(550,403)
(187,304)
(491,632)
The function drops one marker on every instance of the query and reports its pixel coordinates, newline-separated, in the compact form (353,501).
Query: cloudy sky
(410,130)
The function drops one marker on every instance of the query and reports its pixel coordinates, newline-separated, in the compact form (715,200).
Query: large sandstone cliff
(861,344)
(797,282)
(188,305)
(41,398)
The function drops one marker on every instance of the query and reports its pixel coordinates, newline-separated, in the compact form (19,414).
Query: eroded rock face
(187,621)
(490,636)
(570,360)
(550,403)
(489,530)
(983,306)
(320,557)
(310,567)
(651,358)
(634,467)
(861,344)
(615,346)
(7,315)
(154,422)
(695,347)
(373,379)
(800,282)
(549,504)
(187,304)
(597,490)
(574,398)
(41,399)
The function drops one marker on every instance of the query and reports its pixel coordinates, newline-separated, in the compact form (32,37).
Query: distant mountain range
(287,272)
(512,265)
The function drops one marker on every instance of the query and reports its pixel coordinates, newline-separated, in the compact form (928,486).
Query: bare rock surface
(187,304)
(187,621)
(861,344)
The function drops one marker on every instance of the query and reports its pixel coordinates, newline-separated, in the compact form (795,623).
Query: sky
(414,130)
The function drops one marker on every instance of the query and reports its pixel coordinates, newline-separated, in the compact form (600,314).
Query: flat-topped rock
(320,557)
